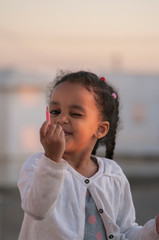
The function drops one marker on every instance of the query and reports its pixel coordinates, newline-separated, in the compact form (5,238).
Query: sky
(45,36)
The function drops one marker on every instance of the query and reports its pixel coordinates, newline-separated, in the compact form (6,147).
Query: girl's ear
(103,129)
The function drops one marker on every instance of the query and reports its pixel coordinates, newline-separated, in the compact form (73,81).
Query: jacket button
(111,236)
(100,210)
(87,181)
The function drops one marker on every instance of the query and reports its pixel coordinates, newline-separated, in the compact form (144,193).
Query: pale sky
(44,36)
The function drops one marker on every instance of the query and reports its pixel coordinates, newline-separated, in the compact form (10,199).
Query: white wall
(139,97)
(23,112)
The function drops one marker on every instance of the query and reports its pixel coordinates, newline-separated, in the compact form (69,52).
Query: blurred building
(23,103)
(139,97)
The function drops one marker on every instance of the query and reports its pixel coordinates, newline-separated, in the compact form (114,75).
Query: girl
(67,192)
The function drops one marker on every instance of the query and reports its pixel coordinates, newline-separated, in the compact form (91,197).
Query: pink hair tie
(103,79)
(114,95)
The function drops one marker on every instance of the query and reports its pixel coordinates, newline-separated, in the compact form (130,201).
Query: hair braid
(110,139)
(111,112)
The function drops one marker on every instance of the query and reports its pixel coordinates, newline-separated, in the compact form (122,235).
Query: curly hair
(107,105)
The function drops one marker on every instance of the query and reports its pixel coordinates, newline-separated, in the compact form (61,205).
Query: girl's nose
(62,118)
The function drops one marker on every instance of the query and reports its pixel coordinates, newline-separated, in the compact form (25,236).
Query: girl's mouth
(67,132)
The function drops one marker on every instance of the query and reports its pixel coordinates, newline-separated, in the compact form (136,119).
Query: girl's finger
(62,134)
(44,129)
(58,131)
(51,130)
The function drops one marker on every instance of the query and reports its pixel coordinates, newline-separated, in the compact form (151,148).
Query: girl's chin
(65,155)
(67,136)
(67,150)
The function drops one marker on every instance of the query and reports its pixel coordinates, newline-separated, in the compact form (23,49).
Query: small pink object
(92,219)
(114,95)
(103,79)
(48,115)
(99,236)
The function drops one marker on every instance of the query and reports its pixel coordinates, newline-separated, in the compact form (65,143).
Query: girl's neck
(84,165)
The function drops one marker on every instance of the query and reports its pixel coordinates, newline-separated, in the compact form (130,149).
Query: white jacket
(53,199)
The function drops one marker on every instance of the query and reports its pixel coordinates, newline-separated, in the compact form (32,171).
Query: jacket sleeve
(40,184)
(127,218)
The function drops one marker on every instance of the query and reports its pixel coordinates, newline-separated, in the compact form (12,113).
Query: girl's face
(74,108)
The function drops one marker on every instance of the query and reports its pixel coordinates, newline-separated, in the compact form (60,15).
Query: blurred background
(118,40)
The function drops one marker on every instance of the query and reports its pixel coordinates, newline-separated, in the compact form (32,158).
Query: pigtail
(110,138)
(110,105)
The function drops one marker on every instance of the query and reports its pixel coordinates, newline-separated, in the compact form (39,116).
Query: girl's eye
(76,114)
(54,112)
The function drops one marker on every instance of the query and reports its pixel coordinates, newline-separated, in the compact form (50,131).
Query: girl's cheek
(52,121)
(52,118)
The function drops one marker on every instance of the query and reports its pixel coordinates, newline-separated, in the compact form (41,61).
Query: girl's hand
(52,138)
(157,223)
